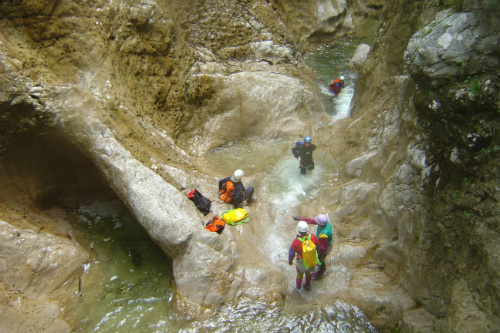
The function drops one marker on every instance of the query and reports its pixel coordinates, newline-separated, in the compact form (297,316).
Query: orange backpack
(227,192)
(332,85)
(215,225)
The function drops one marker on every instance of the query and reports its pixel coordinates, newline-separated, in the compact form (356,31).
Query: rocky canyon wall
(430,88)
(103,100)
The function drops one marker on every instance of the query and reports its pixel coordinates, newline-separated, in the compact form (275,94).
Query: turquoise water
(126,285)
(330,61)
(126,288)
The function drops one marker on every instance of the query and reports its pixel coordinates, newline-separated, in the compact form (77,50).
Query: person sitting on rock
(295,251)
(325,235)
(304,150)
(337,85)
(231,190)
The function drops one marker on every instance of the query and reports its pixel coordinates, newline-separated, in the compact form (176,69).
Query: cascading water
(131,273)
(130,291)
(330,61)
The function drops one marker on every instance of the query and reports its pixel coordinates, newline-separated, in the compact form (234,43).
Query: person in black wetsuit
(231,190)
(305,152)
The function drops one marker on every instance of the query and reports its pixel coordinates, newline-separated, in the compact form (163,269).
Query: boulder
(358,59)
(453,45)
(34,264)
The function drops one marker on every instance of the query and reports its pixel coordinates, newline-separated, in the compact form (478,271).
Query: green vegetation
(466,182)
(485,151)
(465,215)
(455,194)
(474,85)
(453,80)
(444,4)
(375,247)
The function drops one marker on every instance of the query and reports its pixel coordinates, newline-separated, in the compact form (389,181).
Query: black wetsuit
(240,193)
(306,157)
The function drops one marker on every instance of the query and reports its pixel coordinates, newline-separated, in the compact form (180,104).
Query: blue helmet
(307,139)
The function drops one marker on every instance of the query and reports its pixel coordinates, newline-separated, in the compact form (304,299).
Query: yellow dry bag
(235,216)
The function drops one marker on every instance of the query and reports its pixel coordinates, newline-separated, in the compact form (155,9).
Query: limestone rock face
(118,99)
(427,107)
(245,99)
(318,20)
(358,59)
(368,8)
(33,265)
(453,45)
(37,265)
(121,99)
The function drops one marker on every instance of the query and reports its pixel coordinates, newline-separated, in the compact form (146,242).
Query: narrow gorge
(112,111)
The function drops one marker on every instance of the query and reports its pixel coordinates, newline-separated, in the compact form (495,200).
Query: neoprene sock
(308,283)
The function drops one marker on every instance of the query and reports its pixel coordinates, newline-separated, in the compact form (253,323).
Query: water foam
(342,103)
(287,188)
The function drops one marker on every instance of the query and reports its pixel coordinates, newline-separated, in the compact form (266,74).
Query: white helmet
(341,78)
(302,227)
(238,174)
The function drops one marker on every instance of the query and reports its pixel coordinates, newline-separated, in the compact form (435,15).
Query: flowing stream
(133,276)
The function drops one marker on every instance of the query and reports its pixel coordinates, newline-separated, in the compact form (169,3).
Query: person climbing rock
(324,233)
(337,85)
(304,150)
(296,251)
(231,190)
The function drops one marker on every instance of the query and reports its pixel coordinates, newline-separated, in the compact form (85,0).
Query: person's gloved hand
(296,218)
(290,262)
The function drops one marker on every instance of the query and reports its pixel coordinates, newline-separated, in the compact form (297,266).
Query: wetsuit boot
(298,283)
(319,273)
(308,283)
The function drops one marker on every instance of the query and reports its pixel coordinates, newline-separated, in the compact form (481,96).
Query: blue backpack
(296,149)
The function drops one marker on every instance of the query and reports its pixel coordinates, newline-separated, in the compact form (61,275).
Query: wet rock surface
(125,101)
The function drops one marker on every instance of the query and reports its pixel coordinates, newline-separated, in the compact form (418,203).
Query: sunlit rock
(358,59)
(454,44)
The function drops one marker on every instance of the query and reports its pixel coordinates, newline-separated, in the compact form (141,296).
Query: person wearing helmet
(304,150)
(231,190)
(295,251)
(337,85)
(324,233)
